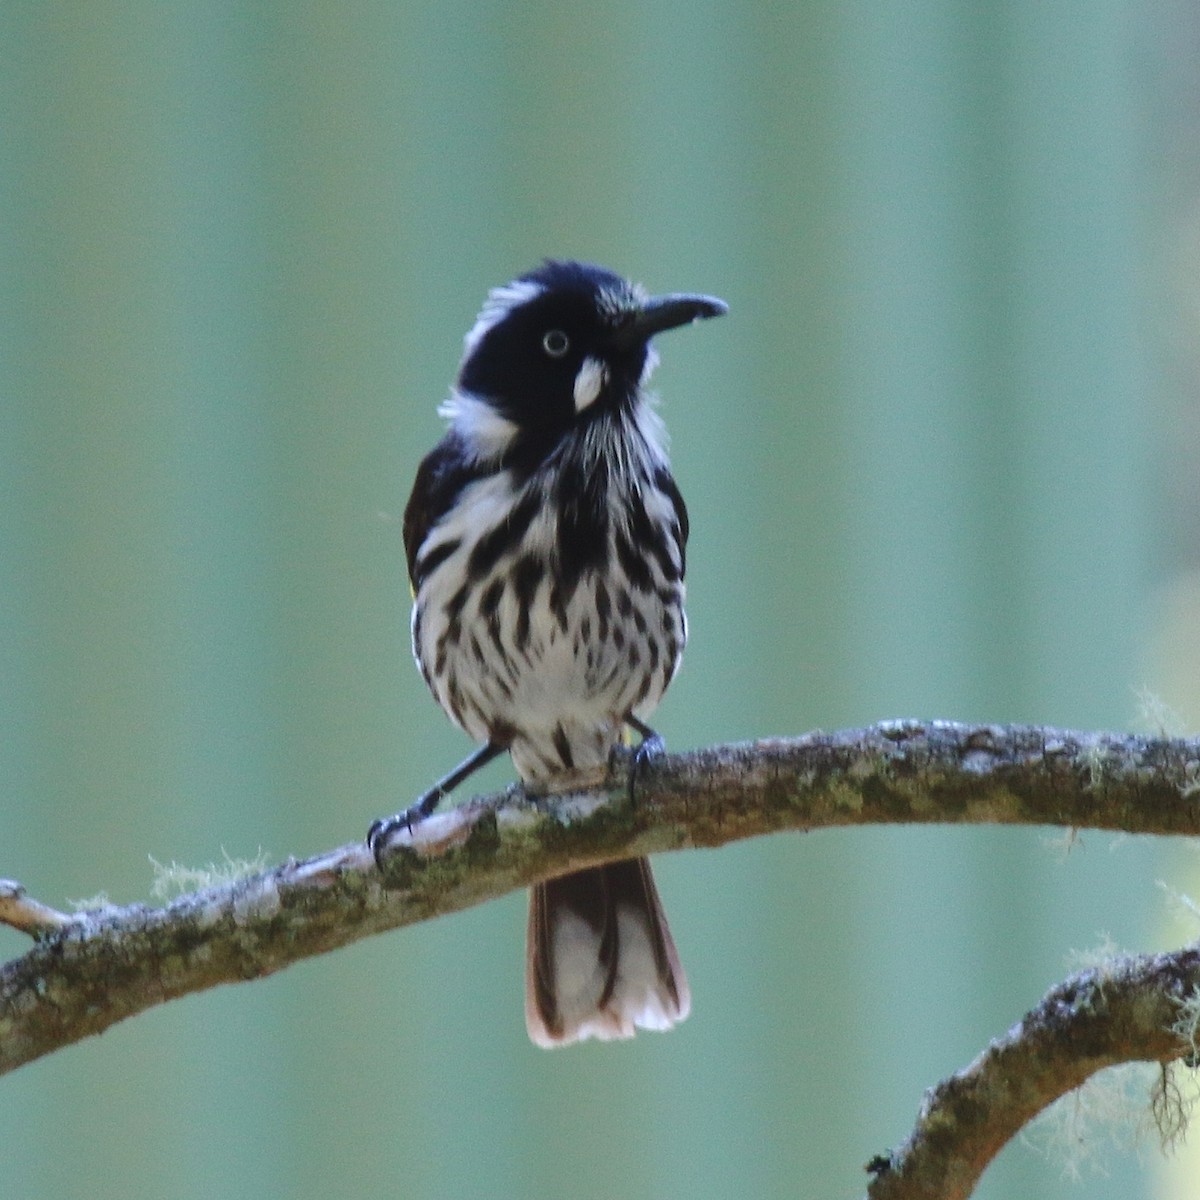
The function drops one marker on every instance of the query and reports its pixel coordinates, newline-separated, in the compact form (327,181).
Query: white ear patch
(593,375)
(486,432)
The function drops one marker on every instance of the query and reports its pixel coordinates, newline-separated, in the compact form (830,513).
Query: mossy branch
(89,970)
(1133,1009)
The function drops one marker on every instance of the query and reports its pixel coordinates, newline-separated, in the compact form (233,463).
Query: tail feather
(600,961)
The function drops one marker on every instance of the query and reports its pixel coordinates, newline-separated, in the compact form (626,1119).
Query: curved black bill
(667,312)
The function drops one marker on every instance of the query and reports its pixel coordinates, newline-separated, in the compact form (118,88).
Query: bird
(545,539)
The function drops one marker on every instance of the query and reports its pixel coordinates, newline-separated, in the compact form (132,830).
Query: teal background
(939,460)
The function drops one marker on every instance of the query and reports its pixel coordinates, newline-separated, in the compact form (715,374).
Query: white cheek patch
(593,375)
(486,432)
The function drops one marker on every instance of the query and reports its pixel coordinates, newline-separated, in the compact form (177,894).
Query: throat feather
(582,502)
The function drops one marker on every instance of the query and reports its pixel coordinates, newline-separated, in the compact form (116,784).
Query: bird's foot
(649,748)
(383,833)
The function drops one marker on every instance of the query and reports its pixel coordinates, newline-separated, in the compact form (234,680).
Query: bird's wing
(442,475)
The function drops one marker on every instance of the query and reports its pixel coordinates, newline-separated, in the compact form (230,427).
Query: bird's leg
(651,746)
(381,831)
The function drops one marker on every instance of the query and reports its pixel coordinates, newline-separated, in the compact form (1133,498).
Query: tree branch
(92,969)
(1135,1008)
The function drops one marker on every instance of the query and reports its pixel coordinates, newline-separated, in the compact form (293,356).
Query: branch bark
(89,970)
(1135,1008)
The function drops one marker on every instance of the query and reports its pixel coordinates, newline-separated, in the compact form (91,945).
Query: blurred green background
(939,459)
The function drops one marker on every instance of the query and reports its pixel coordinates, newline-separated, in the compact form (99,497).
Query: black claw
(381,831)
(650,747)
(379,836)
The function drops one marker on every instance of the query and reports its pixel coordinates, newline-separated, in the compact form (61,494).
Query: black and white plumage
(546,547)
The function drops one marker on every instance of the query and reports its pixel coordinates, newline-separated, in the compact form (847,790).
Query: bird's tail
(600,961)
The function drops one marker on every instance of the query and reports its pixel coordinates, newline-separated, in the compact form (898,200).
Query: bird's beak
(666,312)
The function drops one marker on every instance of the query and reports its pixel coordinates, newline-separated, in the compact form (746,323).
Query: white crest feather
(618,301)
(499,303)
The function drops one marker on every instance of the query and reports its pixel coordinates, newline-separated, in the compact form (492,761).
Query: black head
(566,342)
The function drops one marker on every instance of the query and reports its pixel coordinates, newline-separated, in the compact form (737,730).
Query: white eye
(556,343)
